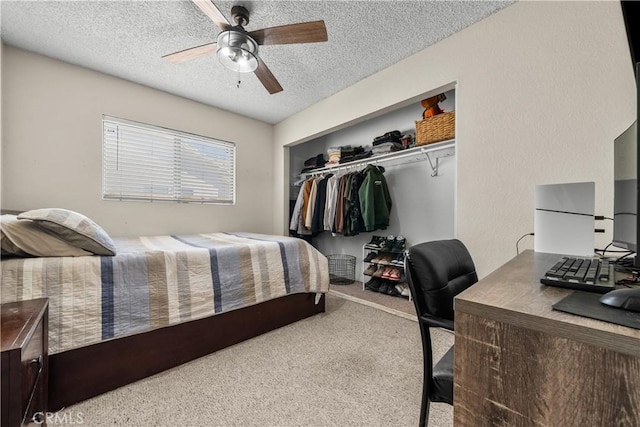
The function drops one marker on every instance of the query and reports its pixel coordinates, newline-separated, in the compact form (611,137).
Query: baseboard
(373,305)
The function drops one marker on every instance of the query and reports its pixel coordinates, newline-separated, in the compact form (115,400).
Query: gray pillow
(24,238)
(74,228)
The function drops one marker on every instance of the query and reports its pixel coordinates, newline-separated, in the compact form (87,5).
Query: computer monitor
(625,190)
(631,15)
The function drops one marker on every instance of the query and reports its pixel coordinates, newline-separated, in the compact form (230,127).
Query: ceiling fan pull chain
(239,81)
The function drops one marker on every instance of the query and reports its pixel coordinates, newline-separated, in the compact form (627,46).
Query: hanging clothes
(356,222)
(329,211)
(296,224)
(306,192)
(346,204)
(317,222)
(300,206)
(312,202)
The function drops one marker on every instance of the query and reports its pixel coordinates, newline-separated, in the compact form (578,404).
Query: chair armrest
(437,322)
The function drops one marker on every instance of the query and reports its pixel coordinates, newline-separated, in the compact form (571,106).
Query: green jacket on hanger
(375,200)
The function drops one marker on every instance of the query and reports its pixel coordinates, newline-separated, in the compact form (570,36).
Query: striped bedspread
(159,281)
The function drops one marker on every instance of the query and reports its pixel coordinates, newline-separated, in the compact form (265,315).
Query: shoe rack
(383,260)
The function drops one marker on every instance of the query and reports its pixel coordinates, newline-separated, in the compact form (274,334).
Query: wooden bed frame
(85,372)
(79,374)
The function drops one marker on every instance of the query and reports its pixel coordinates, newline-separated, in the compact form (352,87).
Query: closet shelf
(431,152)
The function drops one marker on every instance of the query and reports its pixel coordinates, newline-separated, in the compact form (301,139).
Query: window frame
(176,172)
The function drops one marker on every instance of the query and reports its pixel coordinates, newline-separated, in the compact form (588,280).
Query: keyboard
(582,274)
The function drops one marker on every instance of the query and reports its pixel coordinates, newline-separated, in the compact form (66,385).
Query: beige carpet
(351,366)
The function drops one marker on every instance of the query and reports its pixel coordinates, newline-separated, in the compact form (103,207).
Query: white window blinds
(144,162)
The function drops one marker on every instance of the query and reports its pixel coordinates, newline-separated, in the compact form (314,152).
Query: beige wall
(52,148)
(542,90)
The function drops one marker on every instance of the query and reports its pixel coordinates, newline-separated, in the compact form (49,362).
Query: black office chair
(437,271)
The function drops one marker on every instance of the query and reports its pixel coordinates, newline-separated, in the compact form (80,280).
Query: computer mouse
(626,299)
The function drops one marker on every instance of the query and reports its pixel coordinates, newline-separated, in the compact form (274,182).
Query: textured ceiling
(128,38)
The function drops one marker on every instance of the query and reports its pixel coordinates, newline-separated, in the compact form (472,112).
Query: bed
(161,301)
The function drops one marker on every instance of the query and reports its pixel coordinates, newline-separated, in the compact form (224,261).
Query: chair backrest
(437,271)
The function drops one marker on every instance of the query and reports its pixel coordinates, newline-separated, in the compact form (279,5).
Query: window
(144,162)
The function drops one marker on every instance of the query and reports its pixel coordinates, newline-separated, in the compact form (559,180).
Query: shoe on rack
(385,260)
(394,274)
(370,256)
(388,244)
(394,260)
(405,290)
(375,242)
(399,244)
(398,261)
(378,272)
(386,273)
(391,290)
(384,287)
(377,258)
(382,242)
(371,270)
(401,258)
(373,284)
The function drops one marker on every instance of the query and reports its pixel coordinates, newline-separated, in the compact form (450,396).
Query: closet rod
(434,148)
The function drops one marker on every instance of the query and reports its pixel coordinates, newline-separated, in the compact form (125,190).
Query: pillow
(25,238)
(7,247)
(74,228)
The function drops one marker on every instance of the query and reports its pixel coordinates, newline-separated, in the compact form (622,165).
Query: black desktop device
(626,171)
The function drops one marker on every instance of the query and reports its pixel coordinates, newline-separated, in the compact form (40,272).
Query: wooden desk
(519,363)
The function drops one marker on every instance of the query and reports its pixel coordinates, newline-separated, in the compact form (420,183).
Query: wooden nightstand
(24,344)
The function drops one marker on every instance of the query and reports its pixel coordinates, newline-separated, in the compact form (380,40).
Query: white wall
(52,148)
(543,88)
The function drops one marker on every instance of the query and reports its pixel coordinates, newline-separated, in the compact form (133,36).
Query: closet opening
(375,156)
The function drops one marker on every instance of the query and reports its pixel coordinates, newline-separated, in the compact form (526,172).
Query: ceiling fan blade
(191,53)
(212,11)
(306,32)
(267,79)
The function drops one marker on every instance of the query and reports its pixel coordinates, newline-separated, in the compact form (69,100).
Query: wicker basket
(437,128)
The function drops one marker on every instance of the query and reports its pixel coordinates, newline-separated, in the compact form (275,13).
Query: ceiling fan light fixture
(237,51)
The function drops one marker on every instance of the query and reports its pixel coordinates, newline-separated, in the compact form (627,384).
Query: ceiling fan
(237,48)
